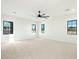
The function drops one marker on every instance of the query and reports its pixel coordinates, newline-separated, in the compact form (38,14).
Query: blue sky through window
(72,23)
(6,24)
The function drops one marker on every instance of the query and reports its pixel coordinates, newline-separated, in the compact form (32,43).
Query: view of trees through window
(72,27)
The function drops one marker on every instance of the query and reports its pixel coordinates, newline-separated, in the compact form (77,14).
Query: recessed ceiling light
(70,10)
(67,9)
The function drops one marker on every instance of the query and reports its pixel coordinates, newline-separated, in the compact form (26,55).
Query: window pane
(72,27)
(42,28)
(7,27)
(33,28)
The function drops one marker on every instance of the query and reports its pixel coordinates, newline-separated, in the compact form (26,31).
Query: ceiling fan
(41,15)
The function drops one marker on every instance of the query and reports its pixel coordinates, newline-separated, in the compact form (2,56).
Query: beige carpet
(38,49)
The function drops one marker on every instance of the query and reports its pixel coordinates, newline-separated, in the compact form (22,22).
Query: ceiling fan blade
(43,14)
(47,16)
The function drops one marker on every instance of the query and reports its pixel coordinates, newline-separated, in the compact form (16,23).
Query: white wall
(56,29)
(5,38)
(22,28)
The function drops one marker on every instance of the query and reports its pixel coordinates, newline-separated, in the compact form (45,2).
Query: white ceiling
(29,8)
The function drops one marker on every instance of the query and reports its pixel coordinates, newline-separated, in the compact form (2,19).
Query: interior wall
(55,29)
(22,28)
(5,38)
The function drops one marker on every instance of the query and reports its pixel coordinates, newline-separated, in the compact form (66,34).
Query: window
(33,28)
(7,27)
(42,28)
(72,27)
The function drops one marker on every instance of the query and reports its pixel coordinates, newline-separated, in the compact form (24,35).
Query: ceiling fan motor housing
(39,15)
